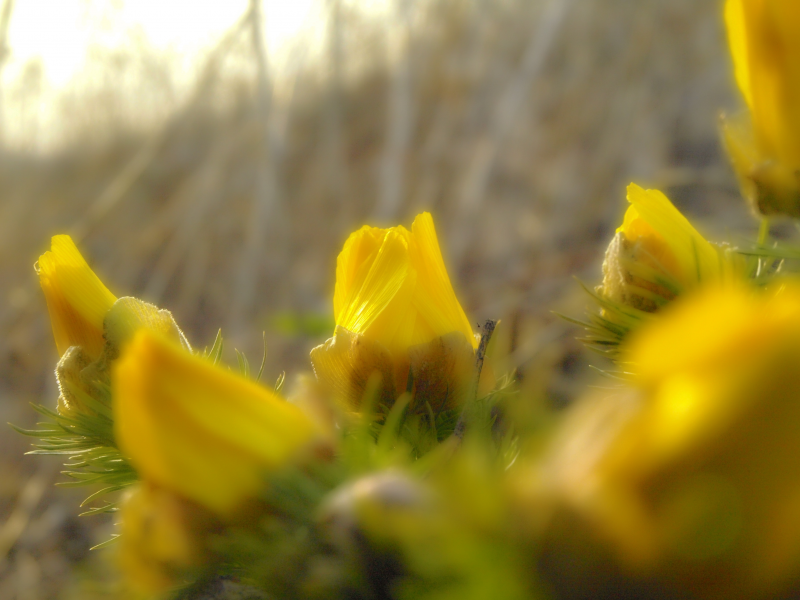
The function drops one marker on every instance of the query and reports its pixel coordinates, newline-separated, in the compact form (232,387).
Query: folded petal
(435,300)
(353,264)
(378,306)
(76,298)
(200,430)
(679,245)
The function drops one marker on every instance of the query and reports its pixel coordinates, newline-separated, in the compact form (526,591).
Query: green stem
(763,231)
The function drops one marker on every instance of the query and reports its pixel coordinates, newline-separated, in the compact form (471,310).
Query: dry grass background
(518,123)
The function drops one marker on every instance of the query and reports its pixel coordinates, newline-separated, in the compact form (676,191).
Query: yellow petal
(737,40)
(392,294)
(766,52)
(377,307)
(199,430)
(353,263)
(76,298)
(737,136)
(722,325)
(435,300)
(696,259)
(774,73)
(696,358)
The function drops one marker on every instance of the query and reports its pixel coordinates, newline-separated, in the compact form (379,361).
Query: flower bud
(199,430)
(76,298)
(656,254)
(395,311)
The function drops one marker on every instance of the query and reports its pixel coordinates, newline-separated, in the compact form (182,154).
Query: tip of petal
(392,286)
(76,298)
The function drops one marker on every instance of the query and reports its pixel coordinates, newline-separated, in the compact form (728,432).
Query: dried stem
(482,166)
(265,219)
(5,19)
(480,354)
(398,139)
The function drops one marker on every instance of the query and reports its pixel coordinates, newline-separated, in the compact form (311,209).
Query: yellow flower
(162,538)
(392,287)
(657,253)
(199,430)
(395,309)
(76,298)
(690,478)
(766,54)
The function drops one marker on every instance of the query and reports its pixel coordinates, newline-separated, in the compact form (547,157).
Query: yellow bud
(657,253)
(392,287)
(394,302)
(76,298)
(690,478)
(199,430)
(162,538)
(766,149)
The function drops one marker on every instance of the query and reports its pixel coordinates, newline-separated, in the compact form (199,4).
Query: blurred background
(212,157)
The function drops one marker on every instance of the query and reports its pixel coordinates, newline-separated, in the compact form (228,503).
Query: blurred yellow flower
(162,538)
(397,321)
(76,298)
(691,477)
(199,430)
(766,54)
(709,359)
(657,253)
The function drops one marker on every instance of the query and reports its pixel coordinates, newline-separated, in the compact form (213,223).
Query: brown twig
(400,121)
(266,219)
(480,354)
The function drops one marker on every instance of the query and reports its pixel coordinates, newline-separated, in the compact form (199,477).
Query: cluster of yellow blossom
(681,482)
(203,440)
(200,438)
